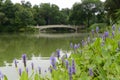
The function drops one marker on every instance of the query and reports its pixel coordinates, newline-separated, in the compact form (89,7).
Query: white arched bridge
(41,28)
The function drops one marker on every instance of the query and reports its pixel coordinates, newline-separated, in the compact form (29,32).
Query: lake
(37,46)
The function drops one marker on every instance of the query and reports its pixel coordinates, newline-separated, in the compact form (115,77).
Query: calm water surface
(37,46)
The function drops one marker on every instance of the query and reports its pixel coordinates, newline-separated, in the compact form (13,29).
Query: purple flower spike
(90,71)
(119,28)
(75,46)
(15,61)
(24,59)
(67,64)
(20,71)
(58,54)
(32,65)
(70,72)
(53,62)
(83,43)
(88,39)
(27,70)
(71,45)
(39,70)
(113,27)
(45,71)
(97,29)
(92,32)
(106,34)
(73,67)
(1,75)
(113,33)
(73,62)
(78,45)
(50,69)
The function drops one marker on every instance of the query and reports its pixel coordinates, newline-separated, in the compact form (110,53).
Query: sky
(60,3)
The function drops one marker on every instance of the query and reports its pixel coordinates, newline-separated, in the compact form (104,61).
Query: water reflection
(60,35)
(43,62)
(12,72)
(14,45)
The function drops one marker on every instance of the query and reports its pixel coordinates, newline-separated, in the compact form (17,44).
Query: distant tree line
(14,17)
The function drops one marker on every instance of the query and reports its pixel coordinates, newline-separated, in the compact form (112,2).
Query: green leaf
(5,77)
(84,76)
(36,77)
(24,76)
(102,73)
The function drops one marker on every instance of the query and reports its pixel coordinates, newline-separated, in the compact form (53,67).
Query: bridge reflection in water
(60,35)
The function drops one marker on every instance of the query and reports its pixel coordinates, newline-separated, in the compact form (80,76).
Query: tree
(27,4)
(77,15)
(39,20)
(3,18)
(54,17)
(50,13)
(8,10)
(111,6)
(64,16)
(45,12)
(23,17)
(91,7)
(86,13)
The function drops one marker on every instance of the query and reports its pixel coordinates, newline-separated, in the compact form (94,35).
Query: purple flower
(103,37)
(50,69)
(83,43)
(32,65)
(97,29)
(1,75)
(71,45)
(92,32)
(73,67)
(75,46)
(66,64)
(39,70)
(106,34)
(58,54)
(70,72)
(20,71)
(90,71)
(113,27)
(119,28)
(88,39)
(113,33)
(53,62)
(27,70)
(78,45)
(45,71)
(15,61)
(24,59)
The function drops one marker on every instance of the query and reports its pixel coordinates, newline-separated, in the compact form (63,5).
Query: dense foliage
(87,12)
(17,17)
(113,9)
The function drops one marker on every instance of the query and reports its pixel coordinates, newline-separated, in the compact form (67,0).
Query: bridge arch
(56,27)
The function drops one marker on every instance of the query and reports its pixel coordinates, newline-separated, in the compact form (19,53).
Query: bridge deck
(55,26)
